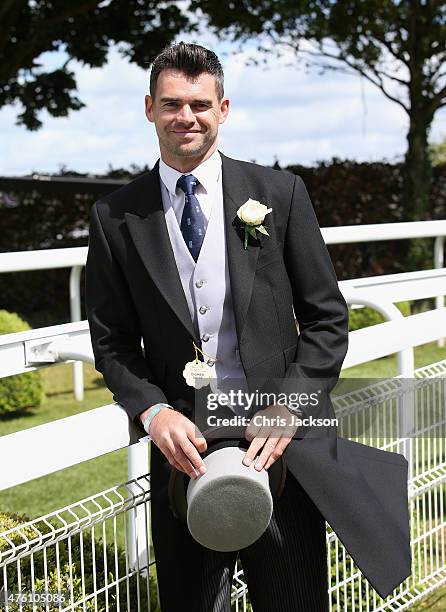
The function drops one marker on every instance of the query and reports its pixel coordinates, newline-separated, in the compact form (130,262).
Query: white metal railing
(379,340)
(76,257)
(399,287)
(34,348)
(48,259)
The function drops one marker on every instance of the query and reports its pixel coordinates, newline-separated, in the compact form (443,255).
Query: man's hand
(175,436)
(273,429)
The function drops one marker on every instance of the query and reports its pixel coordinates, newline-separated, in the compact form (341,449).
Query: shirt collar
(207,173)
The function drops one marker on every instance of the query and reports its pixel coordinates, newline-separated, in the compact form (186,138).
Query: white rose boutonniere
(252,215)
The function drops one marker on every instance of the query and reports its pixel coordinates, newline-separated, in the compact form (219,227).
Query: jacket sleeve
(319,305)
(114,327)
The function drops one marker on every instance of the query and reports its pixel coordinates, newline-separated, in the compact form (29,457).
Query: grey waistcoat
(207,288)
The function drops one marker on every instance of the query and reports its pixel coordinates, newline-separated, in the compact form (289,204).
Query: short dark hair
(190,59)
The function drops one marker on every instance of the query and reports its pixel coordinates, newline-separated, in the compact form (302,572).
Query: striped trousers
(285,569)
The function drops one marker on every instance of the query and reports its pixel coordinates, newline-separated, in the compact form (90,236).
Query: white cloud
(300,117)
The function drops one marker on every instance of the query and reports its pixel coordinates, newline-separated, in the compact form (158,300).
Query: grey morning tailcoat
(133,290)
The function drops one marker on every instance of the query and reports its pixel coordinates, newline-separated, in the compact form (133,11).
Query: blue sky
(299,116)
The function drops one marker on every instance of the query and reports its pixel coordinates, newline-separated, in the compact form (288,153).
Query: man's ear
(224,109)
(148,108)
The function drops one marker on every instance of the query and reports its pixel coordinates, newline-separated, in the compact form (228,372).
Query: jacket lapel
(242,263)
(148,230)
(147,226)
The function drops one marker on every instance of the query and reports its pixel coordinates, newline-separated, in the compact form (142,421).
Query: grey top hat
(230,506)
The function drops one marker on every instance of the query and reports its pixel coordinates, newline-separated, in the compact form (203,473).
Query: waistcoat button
(199,283)
(203,309)
(205,337)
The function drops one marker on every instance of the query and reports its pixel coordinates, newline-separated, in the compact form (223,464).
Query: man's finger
(174,447)
(185,463)
(278,451)
(171,452)
(193,455)
(254,447)
(268,448)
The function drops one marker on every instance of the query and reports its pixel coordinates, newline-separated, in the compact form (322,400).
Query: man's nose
(186,114)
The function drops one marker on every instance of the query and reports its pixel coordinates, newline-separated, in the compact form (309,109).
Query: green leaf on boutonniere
(251,230)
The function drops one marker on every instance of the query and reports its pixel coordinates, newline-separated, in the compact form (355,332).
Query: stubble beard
(192,150)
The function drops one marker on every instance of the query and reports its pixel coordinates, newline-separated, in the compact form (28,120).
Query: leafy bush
(22,390)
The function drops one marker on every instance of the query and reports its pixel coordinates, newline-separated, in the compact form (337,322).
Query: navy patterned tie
(192,221)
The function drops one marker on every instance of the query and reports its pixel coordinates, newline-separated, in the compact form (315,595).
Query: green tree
(83,30)
(399,46)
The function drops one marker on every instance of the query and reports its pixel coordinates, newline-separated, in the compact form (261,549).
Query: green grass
(49,493)
(436,601)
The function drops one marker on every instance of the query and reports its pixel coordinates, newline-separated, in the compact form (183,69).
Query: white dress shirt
(209,191)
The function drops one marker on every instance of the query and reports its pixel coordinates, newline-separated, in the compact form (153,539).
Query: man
(167,262)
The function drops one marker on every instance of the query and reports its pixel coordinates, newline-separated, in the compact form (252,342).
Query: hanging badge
(197,373)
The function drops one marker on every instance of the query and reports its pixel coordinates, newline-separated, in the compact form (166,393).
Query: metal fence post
(138,524)
(439,263)
(75,312)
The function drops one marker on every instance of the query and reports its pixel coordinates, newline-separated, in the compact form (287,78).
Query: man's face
(186,114)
